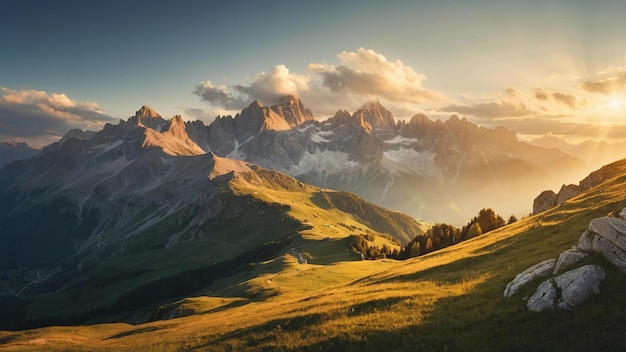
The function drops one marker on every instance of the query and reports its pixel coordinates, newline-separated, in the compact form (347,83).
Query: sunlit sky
(535,67)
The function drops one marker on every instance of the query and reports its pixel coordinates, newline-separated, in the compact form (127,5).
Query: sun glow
(615,103)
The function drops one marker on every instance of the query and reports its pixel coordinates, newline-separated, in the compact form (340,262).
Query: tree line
(439,236)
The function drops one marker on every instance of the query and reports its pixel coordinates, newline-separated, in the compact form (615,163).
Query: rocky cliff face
(548,199)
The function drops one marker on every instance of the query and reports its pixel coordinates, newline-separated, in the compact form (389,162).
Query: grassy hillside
(447,300)
(163,254)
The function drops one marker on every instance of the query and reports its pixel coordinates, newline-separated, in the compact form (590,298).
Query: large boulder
(544,298)
(568,290)
(567,192)
(568,259)
(607,236)
(578,285)
(542,269)
(546,200)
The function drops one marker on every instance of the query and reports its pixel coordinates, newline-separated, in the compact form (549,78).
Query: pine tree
(474,230)
(429,245)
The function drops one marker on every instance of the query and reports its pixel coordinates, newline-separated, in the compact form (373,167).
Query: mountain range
(439,171)
(432,170)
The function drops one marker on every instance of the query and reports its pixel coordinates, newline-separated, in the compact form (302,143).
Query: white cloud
(40,118)
(606,86)
(491,110)
(326,88)
(369,74)
(270,87)
(219,96)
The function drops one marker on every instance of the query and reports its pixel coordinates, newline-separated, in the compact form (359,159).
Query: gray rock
(568,290)
(607,236)
(622,214)
(568,258)
(577,285)
(546,200)
(544,298)
(538,270)
(566,192)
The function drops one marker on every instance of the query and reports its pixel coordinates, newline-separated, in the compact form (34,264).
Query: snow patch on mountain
(236,153)
(320,136)
(103,148)
(323,162)
(406,160)
(305,128)
(400,140)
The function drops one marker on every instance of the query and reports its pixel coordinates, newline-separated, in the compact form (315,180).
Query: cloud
(220,96)
(367,73)
(360,76)
(266,87)
(562,125)
(606,86)
(566,99)
(40,118)
(541,94)
(199,114)
(514,93)
(277,83)
(491,110)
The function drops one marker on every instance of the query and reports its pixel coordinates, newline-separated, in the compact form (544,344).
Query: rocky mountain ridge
(98,185)
(13,150)
(549,199)
(446,165)
(434,170)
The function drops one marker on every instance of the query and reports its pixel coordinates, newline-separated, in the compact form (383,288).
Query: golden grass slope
(448,300)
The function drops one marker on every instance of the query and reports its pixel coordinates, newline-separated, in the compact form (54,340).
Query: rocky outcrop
(567,290)
(538,270)
(545,201)
(568,191)
(568,259)
(544,297)
(577,285)
(548,199)
(606,236)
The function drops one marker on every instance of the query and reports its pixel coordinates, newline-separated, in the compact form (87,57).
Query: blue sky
(534,66)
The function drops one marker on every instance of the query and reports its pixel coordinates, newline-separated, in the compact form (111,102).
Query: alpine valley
(157,234)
